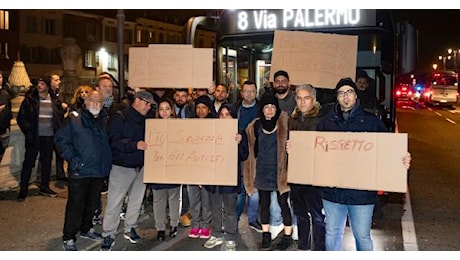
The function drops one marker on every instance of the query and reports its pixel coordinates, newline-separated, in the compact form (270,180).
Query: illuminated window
(90,59)
(111,65)
(4,20)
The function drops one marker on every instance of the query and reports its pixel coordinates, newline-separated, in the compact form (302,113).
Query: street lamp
(443,58)
(435,66)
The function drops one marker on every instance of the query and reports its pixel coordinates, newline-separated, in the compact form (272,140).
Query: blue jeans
(275,210)
(360,219)
(253,205)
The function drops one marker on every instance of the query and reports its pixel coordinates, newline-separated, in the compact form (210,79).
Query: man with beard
(84,143)
(220,97)
(281,85)
(184,108)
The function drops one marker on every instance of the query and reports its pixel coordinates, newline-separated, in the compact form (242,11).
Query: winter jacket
(83,142)
(27,118)
(249,168)
(358,121)
(126,128)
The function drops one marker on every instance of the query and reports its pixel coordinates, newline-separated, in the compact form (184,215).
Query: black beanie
(204,100)
(281,73)
(346,82)
(269,98)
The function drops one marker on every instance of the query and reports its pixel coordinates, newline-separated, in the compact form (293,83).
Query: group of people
(103,140)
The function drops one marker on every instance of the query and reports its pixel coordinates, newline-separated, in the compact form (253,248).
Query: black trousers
(307,202)
(45,148)
(83,199)
(264,207)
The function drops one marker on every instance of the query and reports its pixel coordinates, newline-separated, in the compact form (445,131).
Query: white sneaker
(230,246)
(295,232)
(213,242)
(275,230)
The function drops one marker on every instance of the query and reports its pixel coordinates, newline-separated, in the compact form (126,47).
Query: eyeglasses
(345,93)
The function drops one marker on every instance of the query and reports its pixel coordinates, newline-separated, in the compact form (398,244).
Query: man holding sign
(348,116)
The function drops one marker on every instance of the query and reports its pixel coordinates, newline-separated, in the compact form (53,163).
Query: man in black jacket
(84,143)
(39,117)
(126,137)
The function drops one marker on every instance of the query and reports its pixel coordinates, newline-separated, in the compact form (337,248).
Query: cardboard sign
(191,151)
(320,59)
(363,161)
(170,66)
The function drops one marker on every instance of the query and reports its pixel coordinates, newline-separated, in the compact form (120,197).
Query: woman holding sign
(266,166)
(165,195)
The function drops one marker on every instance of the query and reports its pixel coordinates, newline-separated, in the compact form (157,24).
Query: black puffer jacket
(84,144)
(126,128)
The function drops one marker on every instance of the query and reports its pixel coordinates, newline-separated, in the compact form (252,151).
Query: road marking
(451,121)
(408,228)
(439,114)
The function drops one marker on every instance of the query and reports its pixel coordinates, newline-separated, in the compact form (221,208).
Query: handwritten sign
(170,66)
(191,151)
(364,161)
(320,59)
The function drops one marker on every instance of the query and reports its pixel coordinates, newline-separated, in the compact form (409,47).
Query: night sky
(438,30)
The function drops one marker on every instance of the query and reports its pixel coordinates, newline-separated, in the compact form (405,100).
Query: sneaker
(205,233)
(213,242)
(185,220)
(91,234)
(276,230)
(194,233)
(107,243)
(47,192)
(256,226)
(132,236)
(173,232)
(69,245)
(161,235)
(230,246)
(97,220)
(123,216)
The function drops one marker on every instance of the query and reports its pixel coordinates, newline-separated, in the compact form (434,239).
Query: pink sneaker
(205,233)
(194,233)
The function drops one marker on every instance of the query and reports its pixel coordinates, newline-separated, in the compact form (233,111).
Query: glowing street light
(435,66)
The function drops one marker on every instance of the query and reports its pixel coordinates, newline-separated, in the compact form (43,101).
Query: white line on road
(451,121)
(437,113)
(408,228)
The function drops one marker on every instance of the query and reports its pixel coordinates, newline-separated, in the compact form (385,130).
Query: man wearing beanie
(266,166)
(348,116)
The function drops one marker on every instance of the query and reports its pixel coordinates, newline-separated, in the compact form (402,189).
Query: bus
(441,88)
(244,45)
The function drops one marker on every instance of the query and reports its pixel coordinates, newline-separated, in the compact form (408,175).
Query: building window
(4,20)
(49,26)
(111,34)
(111,65)
(31,24)
(90,30)
(128,37)
(90,59)
(138,36)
